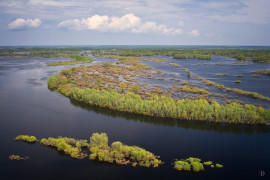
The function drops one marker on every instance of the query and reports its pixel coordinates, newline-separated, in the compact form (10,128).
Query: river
(29,107)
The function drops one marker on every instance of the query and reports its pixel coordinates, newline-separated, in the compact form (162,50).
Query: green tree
(99,140)
(122,86)
(136,88)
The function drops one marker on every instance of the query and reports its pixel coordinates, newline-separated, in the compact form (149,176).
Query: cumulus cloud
(194,33)
(24,23)
(128,22)
(148,27)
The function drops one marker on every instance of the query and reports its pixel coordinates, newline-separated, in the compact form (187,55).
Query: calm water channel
(29,107)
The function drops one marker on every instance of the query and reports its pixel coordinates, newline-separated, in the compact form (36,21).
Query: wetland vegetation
(248,54)
(100,85)
(76,59)
(17,157)
(264,72)
(26,138)
(193,164)
(100,150)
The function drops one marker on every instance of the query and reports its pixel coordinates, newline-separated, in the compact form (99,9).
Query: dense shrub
(119,153)
(197,166)
(69,146)
(181,165)
(219,166)
(26,138)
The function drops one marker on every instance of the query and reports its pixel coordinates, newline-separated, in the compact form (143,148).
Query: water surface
(29,107)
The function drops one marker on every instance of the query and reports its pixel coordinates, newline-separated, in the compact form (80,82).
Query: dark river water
(29,107)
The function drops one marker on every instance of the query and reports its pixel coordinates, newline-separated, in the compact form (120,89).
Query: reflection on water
(196,125)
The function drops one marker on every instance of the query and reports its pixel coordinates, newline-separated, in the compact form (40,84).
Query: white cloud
(181,23)
(149,27)
(53,3)
(128,22)
(194,33)
(24,23)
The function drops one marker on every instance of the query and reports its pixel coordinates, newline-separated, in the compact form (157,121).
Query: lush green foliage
(164,106)
(99,140)
(76,59)
(26,138)
(188,164)
(193,164)
(219,166)
(197,166)
(119,153)
(208,163)
(17,157)
(52,82)
(70,146)
(256,55)
(181,165)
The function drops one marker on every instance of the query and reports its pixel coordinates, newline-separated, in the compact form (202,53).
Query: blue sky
(134,22)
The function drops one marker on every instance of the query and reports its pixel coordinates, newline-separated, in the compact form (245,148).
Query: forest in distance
(261,55)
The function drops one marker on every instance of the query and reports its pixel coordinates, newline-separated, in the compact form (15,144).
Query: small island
(76,59)
(193,164)
(17,157)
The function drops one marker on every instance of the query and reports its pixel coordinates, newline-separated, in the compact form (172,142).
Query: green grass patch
(237,81)
(219,74)
(76,59)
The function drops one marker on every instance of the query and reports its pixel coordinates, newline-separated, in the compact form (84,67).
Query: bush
(52,82)
(136,88)
(120,153)
(197,166)
(99,140)
(208,163)
(69,146)
(181,165)
(116,145)
(191,159)
(26,138)
(219,166)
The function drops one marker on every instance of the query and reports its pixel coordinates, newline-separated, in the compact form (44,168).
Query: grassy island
(69,146)
(219,74)
(264,72)
(193,164)
(17,157)
(119,153)
(100,150)
(188,164)
(76,59)
(100,85)
(26,138)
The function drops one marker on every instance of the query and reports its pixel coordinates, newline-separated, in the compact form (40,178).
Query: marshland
(49,101)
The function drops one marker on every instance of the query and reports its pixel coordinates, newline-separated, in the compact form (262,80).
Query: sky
(134,22)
